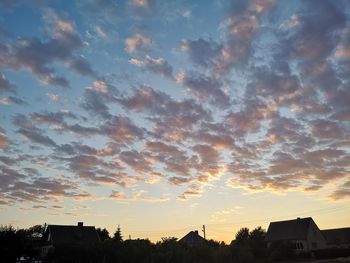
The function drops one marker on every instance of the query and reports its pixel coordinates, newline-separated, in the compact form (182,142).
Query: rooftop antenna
(203,229)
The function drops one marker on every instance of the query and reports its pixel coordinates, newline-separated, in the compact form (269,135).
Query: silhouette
(81,243)
(193,239)
(303,233)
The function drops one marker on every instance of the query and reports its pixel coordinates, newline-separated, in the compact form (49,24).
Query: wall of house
(315,239)
(300,245)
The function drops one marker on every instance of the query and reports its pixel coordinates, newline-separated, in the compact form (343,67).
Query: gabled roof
(337,236)
(192,239)
(296,229)
(79,235)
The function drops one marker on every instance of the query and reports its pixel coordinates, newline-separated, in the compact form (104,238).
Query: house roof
(192,238)
(80,235)
(295,229)
(337,236)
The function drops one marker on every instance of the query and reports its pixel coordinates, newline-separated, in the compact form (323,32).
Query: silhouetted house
(62,235)
(303,233)
(193,239)
(337,238)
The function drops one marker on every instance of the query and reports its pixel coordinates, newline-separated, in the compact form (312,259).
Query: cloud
(202,52)
(223,215)
(315,38)
(6,85)
(172,118)
(192,191)
(155,65)
(100,32)
(93,169)
(209,166)
(161,104)
(53,97)
(4,140)
(249,119)
(108,8)
(265,103)
(44,190)
(97,97)
(205,88)
(139,195)
(141,7)
(138,43)
(216,135)
(268,84)
(240,28)
(23,187)
(323,128)
(95,104)
(31,132)
(81,66)
(57,121)
(10,161)
(35,135)
(342,192)
(137,161)
(121,130)
(176,180)
(12,100)
(38,57)
(175,160)
(53,118)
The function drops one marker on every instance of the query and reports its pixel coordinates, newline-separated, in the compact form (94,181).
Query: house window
(298,245)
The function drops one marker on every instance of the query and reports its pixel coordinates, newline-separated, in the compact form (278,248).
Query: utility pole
(203,229)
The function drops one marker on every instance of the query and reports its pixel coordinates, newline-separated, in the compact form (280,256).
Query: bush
(281,251)
(332,253)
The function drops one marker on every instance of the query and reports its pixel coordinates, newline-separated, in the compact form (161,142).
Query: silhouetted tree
(118,235)
(249,246)
(281,250)
(137,250)
(103,234)
(257,242)
(242,236)
(11,244)
(36,231)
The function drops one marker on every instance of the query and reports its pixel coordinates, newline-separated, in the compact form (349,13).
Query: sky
(163,116)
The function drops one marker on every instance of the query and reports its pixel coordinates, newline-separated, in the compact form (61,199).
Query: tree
(103,234)
(242,236)
(281,250)
(36,231)
(11,244)
(118,235)
(257,242)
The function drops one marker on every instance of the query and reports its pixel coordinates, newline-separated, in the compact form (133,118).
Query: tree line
(247,246)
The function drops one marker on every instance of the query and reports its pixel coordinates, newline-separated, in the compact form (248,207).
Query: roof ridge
(340,228)
(290,220)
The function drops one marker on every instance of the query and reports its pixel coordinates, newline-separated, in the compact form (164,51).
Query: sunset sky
(161,116)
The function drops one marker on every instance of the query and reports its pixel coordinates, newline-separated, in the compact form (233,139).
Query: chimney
(196,232)
(298,218)
(80,224)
